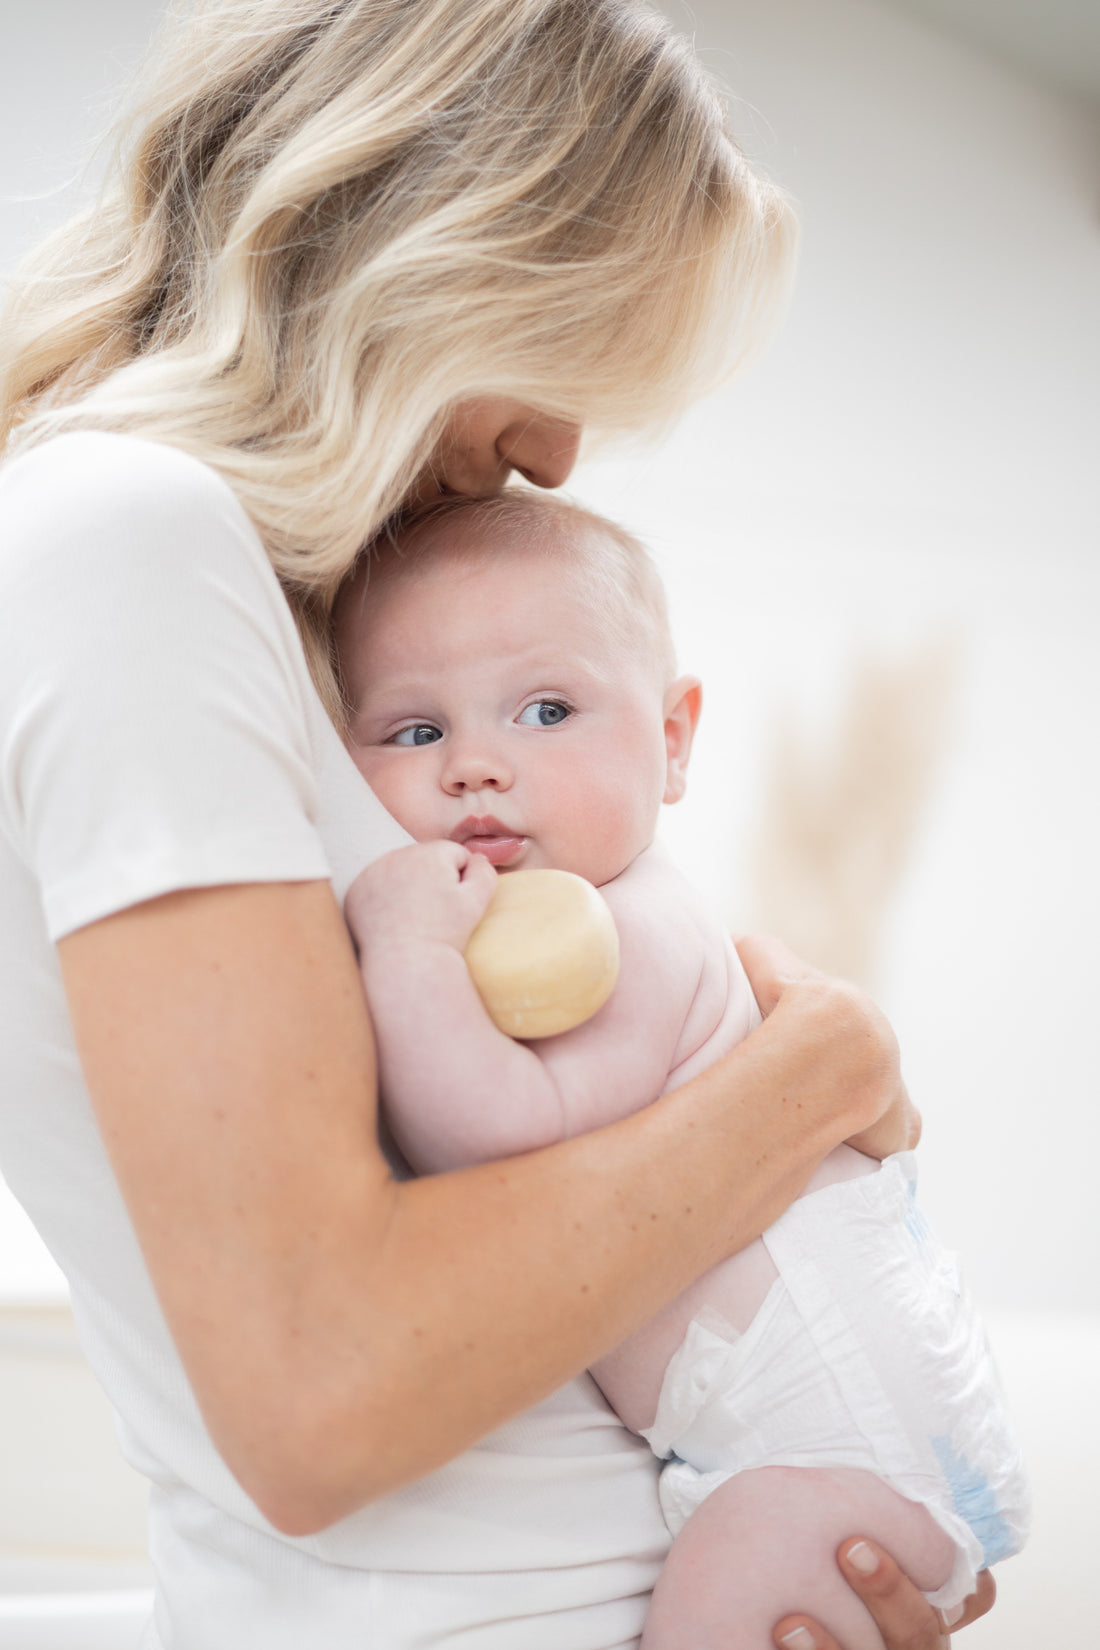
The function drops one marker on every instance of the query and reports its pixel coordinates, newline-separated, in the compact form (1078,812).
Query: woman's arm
(321,1309)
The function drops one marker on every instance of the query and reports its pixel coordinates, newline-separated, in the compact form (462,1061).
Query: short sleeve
(154,698)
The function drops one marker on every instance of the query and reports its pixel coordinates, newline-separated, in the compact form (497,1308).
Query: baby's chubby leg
(764,1546)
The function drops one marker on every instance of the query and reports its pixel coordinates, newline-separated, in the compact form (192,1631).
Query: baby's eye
(421,733)
(544,713)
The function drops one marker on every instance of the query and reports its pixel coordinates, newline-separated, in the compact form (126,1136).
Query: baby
(514,702)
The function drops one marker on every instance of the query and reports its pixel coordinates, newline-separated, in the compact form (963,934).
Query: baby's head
(511,683)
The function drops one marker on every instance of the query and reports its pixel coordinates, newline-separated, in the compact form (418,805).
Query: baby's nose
(475,770)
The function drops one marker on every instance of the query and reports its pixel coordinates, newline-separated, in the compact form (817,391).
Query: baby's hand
(433,892)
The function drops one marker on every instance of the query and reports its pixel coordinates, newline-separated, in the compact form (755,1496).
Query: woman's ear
(683,702)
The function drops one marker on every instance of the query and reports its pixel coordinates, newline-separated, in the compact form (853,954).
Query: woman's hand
(901,1612)
(783,984)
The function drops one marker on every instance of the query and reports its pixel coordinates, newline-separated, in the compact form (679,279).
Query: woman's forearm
(472,1295)
(344,1334)
(480,1292)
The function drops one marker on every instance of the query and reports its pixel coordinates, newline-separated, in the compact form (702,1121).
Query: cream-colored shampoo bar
(545,956)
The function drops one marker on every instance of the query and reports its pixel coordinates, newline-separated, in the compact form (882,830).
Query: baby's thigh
(764,1545)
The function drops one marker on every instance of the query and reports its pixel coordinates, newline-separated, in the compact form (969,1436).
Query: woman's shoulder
(93,508)
(109,466)
(123,493)
(141,552)
(110,463)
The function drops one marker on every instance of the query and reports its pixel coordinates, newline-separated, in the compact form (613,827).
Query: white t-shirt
(159,730)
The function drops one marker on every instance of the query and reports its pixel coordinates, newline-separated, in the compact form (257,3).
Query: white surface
(74,1621)
(1050,1594)
(66,1491)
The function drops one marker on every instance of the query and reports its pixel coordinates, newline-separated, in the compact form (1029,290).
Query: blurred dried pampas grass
(839,818)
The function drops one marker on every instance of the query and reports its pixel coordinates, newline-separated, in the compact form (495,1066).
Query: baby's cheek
(395,787)
(608,828)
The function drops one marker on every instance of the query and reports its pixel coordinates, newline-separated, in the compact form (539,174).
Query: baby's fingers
(479,879)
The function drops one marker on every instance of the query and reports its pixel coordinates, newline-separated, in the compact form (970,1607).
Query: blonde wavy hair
(327,223)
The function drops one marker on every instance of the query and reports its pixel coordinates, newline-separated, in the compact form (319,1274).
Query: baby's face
(491,707)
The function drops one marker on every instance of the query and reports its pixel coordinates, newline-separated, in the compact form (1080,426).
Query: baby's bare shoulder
(666,920)
(665,923)
(653,893)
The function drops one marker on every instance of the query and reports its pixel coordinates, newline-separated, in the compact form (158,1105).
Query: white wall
(916,456)
(62,63)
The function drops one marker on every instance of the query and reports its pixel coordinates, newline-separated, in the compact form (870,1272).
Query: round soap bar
(545,956)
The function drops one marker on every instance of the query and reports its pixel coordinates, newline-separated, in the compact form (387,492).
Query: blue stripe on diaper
(975,1502)
(915,1223)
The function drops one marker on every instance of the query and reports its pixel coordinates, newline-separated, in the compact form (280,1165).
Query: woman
(355,253)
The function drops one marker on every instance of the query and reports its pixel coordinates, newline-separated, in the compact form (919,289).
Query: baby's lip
(485,834)
(480,825)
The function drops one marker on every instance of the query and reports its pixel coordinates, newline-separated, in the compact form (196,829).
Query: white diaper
(866,1353)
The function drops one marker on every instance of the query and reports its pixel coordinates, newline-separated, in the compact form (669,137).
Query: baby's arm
(458,1091)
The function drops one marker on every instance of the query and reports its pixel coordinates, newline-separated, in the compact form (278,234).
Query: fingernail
(798,1639)
(950,1617)
(862,1558)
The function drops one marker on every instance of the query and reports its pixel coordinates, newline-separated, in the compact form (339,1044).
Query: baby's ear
(683,702)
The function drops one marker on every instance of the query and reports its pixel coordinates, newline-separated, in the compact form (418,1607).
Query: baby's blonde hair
(329,222)
(622,586)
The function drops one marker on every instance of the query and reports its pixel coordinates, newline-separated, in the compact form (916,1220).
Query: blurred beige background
(882,551)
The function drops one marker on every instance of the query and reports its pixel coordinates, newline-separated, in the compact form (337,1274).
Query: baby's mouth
(497,843)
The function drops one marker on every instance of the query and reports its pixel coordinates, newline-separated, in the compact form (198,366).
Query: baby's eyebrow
(398,691)
(546,663)
(370,712)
